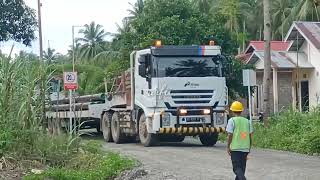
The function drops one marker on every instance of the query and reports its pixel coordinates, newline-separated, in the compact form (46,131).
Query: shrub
(291,131)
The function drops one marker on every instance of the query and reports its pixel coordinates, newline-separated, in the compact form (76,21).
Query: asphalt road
(191,161)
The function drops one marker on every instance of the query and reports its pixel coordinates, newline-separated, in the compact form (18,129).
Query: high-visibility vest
(241,134)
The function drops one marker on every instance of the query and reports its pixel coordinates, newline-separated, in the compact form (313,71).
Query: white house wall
(314,83)
(304,47)
(259,64)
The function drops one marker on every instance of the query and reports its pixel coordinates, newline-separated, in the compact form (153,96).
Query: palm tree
(137,9)
(231,10)
(92,42)
(281,10)
(50,55)
(205,6)
(250,19)
(307,10)
(77,47)
(267,59)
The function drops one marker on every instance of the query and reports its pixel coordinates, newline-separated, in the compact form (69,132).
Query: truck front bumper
(172,123)
(192,130)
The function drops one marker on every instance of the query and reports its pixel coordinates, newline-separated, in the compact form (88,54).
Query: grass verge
(89,163)
(289,131)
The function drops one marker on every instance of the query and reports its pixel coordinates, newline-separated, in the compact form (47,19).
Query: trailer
(168,92)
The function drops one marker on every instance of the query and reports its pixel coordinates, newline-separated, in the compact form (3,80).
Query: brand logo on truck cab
(191,84)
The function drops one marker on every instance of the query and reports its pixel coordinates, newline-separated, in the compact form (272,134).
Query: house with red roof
(295,65)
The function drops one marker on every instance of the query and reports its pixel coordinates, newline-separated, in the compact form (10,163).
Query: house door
(305,95)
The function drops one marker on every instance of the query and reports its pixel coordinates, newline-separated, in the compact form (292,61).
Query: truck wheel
(209,139)
(147,139)
(106,130)
(117,136)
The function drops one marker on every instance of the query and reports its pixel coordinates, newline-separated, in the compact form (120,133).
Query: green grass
(88,167)
(289,131)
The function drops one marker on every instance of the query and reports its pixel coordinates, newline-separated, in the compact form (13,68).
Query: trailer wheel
(147,139)
(106,129)
(117,135)
(209,139)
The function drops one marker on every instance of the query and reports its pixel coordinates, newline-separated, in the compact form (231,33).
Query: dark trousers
(239,162)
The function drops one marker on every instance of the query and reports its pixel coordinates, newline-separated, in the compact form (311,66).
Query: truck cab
(179,91)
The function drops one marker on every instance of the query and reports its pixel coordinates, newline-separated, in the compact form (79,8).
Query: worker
(240,132)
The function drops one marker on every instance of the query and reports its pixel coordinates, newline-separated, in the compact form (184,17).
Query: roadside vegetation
(24,141)
(289,131)
(26,145)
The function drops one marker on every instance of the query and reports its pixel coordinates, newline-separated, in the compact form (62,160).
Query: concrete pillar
(275,90)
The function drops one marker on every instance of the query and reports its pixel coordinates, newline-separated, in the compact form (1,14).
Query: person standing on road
(240,132)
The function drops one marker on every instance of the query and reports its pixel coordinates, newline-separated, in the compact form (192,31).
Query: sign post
(249,79)
(70,83)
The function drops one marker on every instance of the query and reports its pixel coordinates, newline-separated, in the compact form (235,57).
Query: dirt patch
(132,174)
(10,169)
(11,174)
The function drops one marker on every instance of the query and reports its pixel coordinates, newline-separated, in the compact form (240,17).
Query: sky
(58,17)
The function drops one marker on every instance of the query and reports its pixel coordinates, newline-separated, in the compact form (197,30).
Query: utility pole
(73,48)
(71,92)
(40,30)
(42,82)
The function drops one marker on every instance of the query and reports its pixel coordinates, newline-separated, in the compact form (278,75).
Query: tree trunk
(267,60)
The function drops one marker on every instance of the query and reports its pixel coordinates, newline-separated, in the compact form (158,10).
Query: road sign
(249,77)
(70,80)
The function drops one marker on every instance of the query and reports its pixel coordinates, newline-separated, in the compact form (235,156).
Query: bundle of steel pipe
(80,99)
(65,107)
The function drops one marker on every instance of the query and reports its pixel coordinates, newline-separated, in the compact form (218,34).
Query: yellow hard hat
(236,106)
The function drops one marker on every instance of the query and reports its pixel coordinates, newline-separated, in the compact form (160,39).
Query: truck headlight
(183,111)
(166,119)
(220,118)
(206,111)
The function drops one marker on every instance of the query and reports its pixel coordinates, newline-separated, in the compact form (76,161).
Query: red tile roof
(275,46)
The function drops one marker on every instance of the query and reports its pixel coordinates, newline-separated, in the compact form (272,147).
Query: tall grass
(23,134)
(22,100)
(291,131)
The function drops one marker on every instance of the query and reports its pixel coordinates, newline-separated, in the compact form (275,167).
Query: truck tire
(146,139)
(106,129)
(209,139)
(117,135)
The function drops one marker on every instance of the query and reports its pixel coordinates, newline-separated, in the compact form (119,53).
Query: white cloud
(58,17)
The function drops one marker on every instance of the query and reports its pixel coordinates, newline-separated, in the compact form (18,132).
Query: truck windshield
(186,67)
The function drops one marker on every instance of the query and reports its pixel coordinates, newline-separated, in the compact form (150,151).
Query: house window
(304,76)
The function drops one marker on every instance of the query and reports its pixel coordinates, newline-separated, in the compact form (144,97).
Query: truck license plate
(194,119)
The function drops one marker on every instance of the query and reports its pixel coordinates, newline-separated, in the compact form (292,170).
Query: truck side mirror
(142,70)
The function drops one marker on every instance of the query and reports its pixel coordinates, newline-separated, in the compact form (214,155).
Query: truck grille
(191,96)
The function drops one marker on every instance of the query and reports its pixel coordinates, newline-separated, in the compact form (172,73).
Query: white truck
(168,92)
